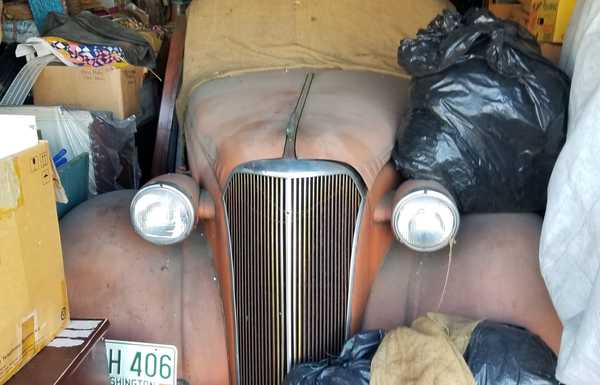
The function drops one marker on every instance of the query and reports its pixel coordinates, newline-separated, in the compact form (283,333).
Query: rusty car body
(292,250)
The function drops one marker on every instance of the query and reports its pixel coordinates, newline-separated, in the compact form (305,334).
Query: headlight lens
(425,220)
(162,214)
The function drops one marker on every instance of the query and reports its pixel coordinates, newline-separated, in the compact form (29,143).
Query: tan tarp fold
(227,37)
(429,352)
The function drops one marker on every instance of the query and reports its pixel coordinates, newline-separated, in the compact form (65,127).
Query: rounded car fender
(155,294)
(494,275)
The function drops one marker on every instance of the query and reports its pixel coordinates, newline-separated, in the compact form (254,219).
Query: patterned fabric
(88,55)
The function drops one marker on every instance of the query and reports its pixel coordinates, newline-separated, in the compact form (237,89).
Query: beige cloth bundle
(429,352)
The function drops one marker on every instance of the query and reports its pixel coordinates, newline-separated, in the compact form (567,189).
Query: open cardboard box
(34,306)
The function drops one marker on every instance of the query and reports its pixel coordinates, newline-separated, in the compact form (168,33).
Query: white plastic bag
(62,129)
(110,143)
(570,244)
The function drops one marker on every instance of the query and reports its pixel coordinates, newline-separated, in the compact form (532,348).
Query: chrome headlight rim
(170,188)
(417,194)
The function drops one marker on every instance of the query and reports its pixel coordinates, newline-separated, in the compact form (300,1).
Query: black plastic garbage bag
(488,113)
(352,367)
(114,153)
(500,354)
(464,5)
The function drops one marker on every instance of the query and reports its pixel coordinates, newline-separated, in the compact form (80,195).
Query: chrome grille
(292,227)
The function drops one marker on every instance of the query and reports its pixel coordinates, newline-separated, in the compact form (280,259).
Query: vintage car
(282,228)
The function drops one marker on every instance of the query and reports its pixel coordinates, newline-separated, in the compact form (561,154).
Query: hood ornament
(289,151)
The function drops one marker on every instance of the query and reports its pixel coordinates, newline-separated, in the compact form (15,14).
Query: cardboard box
(34,307)
(17,10)
(502,10)
(94,89)
(551,51)
(547,20)
(539,17)
(563,17)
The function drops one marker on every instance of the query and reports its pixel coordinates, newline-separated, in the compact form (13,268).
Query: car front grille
(292,228)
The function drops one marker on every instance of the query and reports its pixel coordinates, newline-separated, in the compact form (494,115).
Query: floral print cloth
(80,55)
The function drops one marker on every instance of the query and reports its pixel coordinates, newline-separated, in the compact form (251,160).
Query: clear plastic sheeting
(23,83)
(110,143)
(570,244)
(488,113)
(9,66)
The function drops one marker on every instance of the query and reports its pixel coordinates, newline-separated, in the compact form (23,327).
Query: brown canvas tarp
(228,37)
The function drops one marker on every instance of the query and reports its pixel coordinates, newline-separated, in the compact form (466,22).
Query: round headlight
(162,214)
(425,220)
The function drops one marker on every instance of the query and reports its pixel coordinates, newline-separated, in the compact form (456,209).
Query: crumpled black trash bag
(114,153)
(488,113)
(352,367)
(500,354)
(464,5)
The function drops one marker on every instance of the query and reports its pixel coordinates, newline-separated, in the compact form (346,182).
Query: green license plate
(138,363)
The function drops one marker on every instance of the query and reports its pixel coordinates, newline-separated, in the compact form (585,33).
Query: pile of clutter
(436,349)
(88,71)
(22,19)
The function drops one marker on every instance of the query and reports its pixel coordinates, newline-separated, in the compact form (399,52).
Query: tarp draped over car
(228,37)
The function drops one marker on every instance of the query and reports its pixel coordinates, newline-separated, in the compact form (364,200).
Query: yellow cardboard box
(539,17)
(563,17)
(502,10)
(33,294)
(547,20)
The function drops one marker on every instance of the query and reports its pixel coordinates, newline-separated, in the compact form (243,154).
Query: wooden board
(61,364)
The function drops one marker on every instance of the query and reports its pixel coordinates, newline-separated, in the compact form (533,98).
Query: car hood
(350,117)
